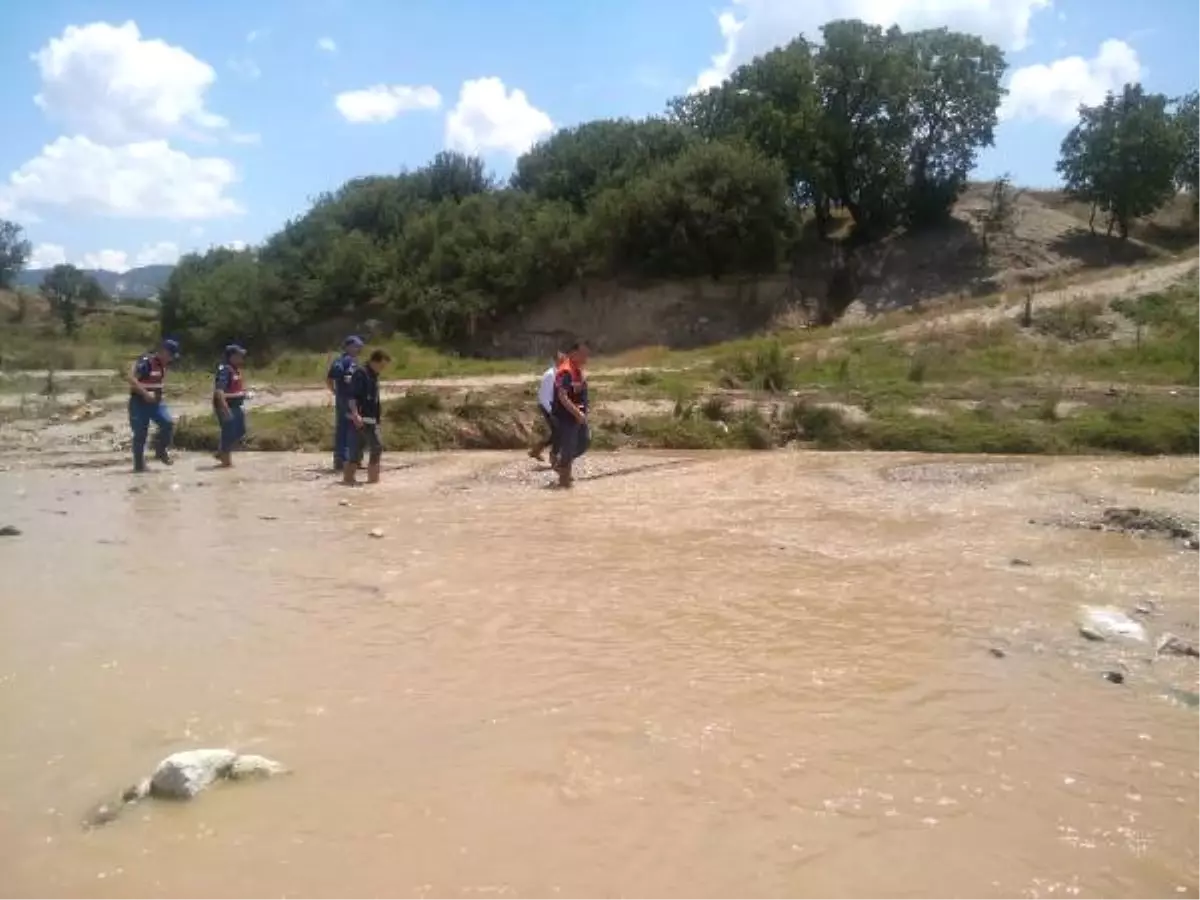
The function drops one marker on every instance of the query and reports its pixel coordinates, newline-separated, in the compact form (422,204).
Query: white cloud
(1056,90)
(246,68)
(382,102)
(752,27)
(109,260)
(109,84)
(141,180)
(488,116)
(328,44)
(253,35)
(248,138)
(163,253)
(46,256)
(237,246)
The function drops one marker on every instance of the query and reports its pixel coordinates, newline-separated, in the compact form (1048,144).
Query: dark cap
(171,346)
(353,341)
(231,349)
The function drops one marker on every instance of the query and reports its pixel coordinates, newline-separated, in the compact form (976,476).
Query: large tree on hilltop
(1123,156)
(882,123)
(954,95)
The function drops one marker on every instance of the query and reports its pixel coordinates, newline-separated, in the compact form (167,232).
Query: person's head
(168,350)
(377,360)
(578,353)
(235,354)
(352,345)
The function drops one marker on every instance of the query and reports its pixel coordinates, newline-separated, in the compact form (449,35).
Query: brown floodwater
(694,675)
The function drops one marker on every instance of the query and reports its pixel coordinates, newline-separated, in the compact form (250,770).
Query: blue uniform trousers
(141,414)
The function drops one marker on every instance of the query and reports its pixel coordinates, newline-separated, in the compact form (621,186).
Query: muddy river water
(693,675)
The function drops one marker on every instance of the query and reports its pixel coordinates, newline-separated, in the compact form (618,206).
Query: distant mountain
(136,284)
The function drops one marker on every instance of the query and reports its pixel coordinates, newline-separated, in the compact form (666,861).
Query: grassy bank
(425,421)
(1089,377)
(1108,376)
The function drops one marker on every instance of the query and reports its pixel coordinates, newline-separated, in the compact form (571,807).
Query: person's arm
(222,401)
(565,399)
(135,371)
(358,389)
(331,377)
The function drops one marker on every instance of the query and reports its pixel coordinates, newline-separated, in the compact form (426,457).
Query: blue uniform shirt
(341,372)
(150,373)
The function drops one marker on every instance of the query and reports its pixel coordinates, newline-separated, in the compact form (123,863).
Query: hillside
(1048,241)
(136,284)
(1103,361)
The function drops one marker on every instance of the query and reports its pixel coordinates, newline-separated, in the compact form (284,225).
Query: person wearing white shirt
(545,396)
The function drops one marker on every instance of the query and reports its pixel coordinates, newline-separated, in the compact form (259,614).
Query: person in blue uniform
(337,379)
(229,396)
(365,411)
(146,378)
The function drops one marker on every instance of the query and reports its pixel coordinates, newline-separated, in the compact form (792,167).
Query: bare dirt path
(1128,284)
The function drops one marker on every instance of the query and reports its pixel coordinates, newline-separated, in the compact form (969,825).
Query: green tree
(716,209)
(883,124)
(953,97)
(774,104)
(14,252)
(459,266)
(65,287)
(226,295)
(1122,157)
(575,164)
(1187,124)
(455,176)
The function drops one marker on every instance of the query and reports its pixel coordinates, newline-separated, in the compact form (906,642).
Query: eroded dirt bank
(697,674)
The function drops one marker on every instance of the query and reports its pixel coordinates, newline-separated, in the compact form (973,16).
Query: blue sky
(168,127)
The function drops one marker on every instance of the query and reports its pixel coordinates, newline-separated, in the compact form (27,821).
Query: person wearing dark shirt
(337,379)
(146,378)
(570,412)
(229,395)
(365,410)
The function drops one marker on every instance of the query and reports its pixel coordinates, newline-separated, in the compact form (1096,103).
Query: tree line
(881,124)
(877,128)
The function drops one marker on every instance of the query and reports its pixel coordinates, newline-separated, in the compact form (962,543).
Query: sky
(137,130)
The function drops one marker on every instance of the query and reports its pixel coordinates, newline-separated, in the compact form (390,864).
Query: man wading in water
(571,434)
(545,398)
(365,411)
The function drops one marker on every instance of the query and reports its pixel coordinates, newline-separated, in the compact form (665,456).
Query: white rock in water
(1099,623)
(181,776)
(184,775)
(251,766)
